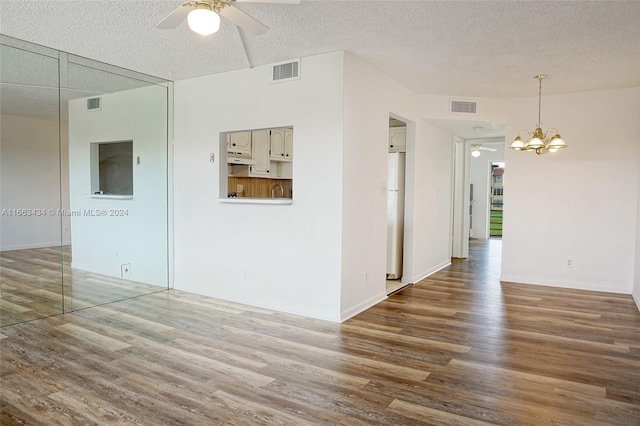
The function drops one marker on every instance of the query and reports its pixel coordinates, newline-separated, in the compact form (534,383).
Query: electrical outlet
(366,277)
(65,229)
(569,262)
(125,270)
(245,274)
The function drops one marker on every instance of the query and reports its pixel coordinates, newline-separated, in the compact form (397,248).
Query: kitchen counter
(249,200)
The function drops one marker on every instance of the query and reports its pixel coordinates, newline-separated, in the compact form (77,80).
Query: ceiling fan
(475,149)
(203,16)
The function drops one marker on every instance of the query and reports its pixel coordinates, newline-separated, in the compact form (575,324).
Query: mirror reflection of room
(76,231)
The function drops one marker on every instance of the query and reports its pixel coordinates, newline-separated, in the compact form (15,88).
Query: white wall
(102,244)
(480,177)
(580,203)
(283,257)
(636,286)
(30,175)
(430,217)
(370,97)
(310,257)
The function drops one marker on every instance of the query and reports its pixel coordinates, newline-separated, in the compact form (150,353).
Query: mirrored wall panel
(30,232)
(85,148)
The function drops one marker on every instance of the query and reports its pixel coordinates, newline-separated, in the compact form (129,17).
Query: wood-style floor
(458,348)
(32,284)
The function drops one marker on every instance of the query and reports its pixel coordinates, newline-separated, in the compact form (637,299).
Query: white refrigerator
(395,215)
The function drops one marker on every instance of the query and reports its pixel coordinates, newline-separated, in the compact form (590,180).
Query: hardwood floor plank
(425,414)
(457,348)
(92,337)
(245,411)
(322,353)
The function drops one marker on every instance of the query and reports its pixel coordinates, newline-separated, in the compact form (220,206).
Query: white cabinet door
(281,145)
(277,144)
(288,144)
(260,153)
(239,142)
(397,139)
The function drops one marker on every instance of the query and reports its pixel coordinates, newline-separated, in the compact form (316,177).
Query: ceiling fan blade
(175,18)
(243,20)
(269,1)
(484,148)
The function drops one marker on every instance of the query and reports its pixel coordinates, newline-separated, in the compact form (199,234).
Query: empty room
(319,212)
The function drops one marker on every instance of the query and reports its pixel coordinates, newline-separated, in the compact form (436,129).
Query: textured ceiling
(457,48)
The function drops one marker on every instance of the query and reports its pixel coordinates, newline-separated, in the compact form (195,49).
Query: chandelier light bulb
(557,143)
(517,144)
(535,143)
(203,21)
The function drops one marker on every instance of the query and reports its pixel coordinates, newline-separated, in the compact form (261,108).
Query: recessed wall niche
(112,168)
(259,163)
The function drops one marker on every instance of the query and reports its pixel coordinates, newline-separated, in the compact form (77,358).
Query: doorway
(395,204)
(477,196)
(496,200)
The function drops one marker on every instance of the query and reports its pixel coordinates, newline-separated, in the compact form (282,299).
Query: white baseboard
(636,298)
(430,271)
(362,306)
(563,284)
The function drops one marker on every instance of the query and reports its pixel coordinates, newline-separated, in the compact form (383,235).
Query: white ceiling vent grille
(94,104)
(463,107)
(286,71)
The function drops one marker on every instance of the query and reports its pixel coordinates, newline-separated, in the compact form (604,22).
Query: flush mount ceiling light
(538,140)
(203,20)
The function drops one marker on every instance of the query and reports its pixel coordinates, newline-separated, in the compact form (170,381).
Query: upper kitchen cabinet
(260,153)
(397,139)
(281,145)
(239,143)
(258,165)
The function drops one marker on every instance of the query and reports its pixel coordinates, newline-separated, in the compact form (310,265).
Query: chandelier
(538,140)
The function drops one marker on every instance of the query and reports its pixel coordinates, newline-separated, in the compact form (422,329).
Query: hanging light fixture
(538,140)
(203,19)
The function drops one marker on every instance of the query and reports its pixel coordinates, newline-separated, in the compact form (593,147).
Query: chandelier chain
(539,101)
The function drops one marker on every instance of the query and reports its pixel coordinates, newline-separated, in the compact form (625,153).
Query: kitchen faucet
(273,190)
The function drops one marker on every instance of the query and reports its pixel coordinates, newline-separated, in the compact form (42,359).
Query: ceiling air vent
(93,104)
(463,107)
(285,71)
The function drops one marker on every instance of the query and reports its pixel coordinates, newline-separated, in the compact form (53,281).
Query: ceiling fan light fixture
(203,20)
(475,153)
